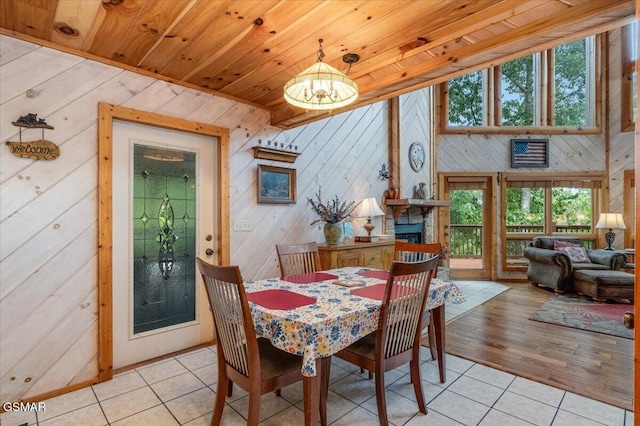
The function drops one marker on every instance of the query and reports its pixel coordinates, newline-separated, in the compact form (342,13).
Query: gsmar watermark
(24,406)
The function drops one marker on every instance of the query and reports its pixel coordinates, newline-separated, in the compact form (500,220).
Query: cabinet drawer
(372,257)
(349,258)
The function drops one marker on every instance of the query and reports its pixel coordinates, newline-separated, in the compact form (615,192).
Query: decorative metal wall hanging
(41,149)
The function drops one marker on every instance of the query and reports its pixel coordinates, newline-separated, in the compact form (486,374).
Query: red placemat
(377,291)
(383,275)
(280,299)
(312,277)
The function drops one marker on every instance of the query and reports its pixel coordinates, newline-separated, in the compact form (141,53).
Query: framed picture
(276,185)
(529,153)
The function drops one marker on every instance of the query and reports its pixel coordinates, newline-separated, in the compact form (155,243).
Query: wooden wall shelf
(399,206)
(274,154)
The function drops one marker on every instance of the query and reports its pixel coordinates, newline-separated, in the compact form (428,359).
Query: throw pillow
(557,245)
(576,254)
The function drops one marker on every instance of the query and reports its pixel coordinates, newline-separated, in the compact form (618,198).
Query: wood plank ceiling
(248,49)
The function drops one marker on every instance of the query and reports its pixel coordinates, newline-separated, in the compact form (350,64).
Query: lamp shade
(370,208)
(321,86)
(611,221)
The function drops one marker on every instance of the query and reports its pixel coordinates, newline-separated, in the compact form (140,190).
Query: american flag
(529,153)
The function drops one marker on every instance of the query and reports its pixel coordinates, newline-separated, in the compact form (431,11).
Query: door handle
(208,252)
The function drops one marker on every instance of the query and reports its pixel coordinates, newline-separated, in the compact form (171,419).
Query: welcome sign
(40,149)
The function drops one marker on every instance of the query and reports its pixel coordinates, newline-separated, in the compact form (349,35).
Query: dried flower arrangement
(333,211)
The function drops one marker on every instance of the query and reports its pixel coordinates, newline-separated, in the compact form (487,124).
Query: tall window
(466,106)
(543,205)
(629,79)
(572,68)
(553,88)
(518,95)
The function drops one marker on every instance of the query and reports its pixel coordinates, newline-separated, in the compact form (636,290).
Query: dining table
(317,314)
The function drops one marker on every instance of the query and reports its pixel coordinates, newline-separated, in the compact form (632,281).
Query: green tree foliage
(571,206)
(517,92)
(525,206)
(466,100)
(466,207)
(571,84)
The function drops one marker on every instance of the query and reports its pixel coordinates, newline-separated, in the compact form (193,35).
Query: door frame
(106,114)
(489,238)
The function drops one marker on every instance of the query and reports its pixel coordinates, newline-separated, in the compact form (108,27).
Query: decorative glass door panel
(164,235)
(163,218)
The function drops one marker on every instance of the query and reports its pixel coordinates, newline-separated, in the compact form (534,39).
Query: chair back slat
(415,252)
(298,258)
(403,305)
(230,309)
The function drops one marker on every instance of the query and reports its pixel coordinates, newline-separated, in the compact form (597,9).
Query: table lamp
(610,221)
(368,208)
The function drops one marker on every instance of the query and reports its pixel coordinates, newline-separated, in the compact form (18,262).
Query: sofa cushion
(576,254)
(558,244)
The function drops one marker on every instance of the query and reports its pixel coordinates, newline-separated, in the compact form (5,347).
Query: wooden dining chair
(397,338)
(297,259)
(412,252)
(253,364)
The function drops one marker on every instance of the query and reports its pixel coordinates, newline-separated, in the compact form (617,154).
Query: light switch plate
(243,225)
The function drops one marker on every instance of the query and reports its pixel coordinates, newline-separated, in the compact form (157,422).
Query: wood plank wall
(567,153)
(621,144)
(48,209)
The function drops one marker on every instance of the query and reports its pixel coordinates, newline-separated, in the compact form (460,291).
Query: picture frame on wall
(276,185)
(529,153)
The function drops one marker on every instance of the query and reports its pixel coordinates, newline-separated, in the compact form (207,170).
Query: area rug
(576,312)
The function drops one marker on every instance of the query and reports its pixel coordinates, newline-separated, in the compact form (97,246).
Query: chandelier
(321,86)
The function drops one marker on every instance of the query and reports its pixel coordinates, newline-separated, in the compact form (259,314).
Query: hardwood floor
(500,335)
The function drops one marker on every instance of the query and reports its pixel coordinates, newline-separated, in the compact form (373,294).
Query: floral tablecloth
(335,321)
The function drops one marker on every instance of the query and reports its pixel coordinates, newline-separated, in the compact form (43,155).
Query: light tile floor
(181,390)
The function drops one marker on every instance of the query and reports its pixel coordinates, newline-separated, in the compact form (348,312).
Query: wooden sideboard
(377,255)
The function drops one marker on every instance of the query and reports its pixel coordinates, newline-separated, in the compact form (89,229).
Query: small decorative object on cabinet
(332,213)
(276,185)
(418,191)
(369,208)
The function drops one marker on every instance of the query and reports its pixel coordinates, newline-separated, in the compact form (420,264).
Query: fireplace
(412,232)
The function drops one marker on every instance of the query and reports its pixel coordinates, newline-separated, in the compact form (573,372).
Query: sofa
(554,269)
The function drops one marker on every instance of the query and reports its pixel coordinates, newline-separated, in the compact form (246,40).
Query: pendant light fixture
(321,86)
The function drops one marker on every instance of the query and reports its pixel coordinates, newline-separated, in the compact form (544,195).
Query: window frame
(544,104)
(598,180)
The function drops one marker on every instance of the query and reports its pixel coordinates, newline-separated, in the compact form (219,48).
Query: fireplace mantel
(399,206)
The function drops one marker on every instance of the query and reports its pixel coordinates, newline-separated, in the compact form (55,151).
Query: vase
(332,233)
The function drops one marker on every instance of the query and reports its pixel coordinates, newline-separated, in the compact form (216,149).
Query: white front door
(163,218)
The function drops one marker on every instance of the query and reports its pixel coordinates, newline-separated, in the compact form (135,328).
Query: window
(572,67)
(629,79)
(517,94)
(543,205)
(468,107)
(551,89)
